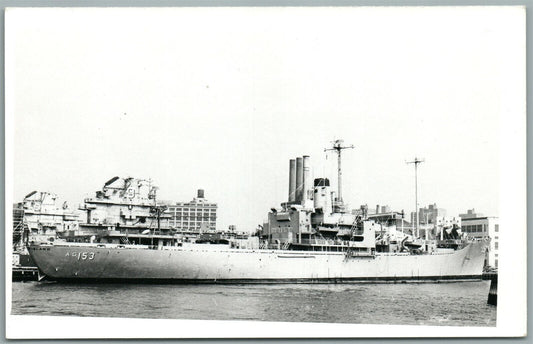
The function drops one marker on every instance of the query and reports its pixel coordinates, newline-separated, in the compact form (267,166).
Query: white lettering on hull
(81,255)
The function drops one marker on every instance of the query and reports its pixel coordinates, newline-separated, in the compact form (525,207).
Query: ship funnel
(292,180)
(307,182)
(200,193)
(299,180)
(321,182)
(322,196)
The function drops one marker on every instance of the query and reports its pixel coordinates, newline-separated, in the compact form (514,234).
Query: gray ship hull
(202,263)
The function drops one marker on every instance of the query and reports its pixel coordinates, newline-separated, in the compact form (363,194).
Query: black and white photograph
(256,172)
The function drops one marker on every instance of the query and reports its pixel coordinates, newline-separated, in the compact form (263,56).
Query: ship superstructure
(315,218)
(125,210)
(40,216)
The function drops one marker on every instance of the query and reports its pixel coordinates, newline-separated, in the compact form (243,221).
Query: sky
(221,98)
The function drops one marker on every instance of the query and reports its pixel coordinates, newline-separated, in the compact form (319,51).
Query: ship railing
(325,242)
(450,242)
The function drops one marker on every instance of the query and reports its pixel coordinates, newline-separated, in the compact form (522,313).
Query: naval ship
(41,216)
(311,238)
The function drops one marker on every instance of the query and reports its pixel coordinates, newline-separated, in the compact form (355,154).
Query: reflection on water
(459,304)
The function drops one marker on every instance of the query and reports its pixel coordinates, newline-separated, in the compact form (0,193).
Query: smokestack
(299,180)
(200,193)
(292,180)
(307,177)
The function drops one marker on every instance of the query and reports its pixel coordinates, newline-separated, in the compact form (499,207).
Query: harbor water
(446,304)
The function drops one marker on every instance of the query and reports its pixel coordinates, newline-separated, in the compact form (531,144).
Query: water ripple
(445,304)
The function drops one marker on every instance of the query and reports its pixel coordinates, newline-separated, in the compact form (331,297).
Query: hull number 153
(81,255)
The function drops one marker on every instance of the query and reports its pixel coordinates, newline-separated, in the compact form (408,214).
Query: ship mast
(416,162)
(338,147)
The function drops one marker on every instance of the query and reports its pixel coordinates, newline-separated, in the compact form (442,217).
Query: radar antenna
(338,147)
(416,162)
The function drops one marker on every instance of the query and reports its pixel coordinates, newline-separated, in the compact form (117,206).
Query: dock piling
(493,291)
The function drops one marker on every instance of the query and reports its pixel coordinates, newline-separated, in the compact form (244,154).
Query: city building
(478,226)
(429,215)
(470,214)
(198,215)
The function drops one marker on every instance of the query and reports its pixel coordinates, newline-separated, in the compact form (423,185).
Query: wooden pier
(24,273)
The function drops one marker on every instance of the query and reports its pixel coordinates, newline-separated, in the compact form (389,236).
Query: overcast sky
(221,99)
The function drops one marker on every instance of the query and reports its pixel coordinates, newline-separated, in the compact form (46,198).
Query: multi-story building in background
(198,215)
(477,225)
(428,215)
(470,214)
